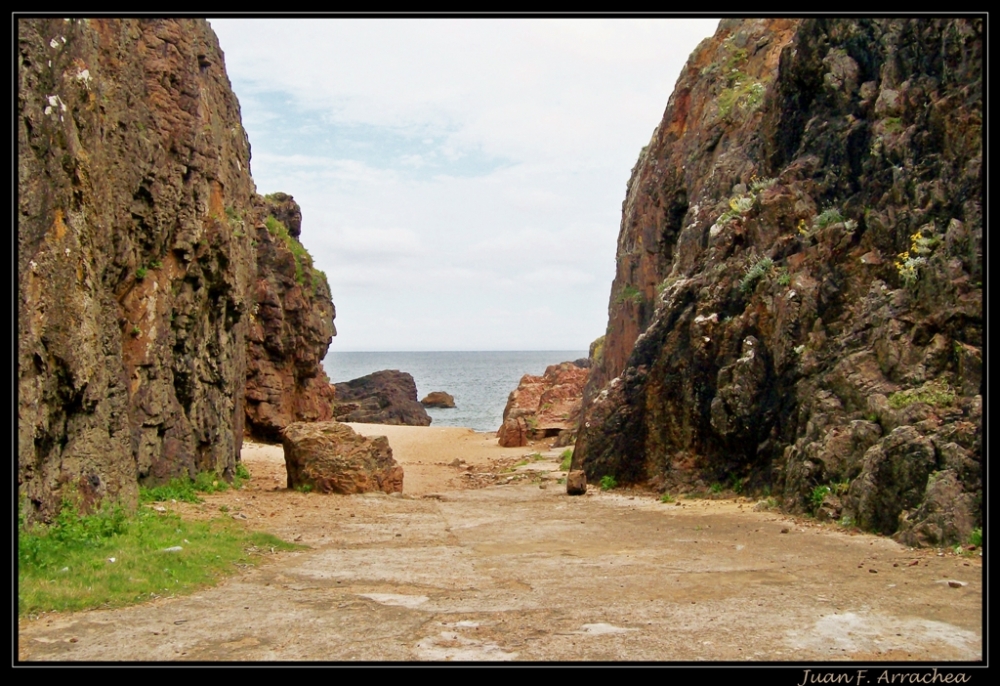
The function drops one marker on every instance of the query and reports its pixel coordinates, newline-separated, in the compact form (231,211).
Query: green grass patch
(937,395)
(567,459)
(303,260)
(976,537)
(666,498)
(629,293)
(67,565)
(715,488)
(187,490)
(608,482)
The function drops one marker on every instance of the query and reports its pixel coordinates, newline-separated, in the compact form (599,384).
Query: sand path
(474,562)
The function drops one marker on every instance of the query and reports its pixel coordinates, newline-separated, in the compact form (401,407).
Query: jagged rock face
(135,262)
(291,326)
(798,301)
(385,397)
(546,405)
(331,457)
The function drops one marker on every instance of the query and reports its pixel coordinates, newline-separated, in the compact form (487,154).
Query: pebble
(172,549)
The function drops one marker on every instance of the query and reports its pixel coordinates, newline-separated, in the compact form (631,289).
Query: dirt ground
(474,562)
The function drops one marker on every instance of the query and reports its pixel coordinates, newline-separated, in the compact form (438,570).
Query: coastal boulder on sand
(331,458)
(438,399)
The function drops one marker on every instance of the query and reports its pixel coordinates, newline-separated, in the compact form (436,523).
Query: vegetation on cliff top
(303,260)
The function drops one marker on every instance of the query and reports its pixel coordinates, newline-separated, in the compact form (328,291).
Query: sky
(461,180)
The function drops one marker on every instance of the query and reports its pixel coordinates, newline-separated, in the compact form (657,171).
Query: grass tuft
(608,482)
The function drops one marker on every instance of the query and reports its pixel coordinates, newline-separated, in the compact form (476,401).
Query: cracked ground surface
(485,559)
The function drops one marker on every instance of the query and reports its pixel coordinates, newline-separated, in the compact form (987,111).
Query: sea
(479,381)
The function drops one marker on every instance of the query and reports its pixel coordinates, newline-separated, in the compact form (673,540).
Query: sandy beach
(484,557)
(433,458)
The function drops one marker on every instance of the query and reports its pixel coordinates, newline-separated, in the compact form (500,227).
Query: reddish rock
(438,399)
(543,406)
(331,457)
(291,326)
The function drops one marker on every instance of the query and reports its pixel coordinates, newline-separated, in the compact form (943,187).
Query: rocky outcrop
(134,274)
(385,397)
(438,399)
(138,233)
(798,299)
(330,457)
(290,327)
(544,406)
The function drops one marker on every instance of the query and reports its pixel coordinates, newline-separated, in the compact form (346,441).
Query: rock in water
(331,457)
(438,399)
(544,406)
(386,397)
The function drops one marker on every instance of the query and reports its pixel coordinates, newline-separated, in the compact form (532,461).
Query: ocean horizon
(480,381)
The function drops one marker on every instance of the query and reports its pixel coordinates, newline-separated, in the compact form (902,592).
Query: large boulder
(386,397)
(438,399)
(331,457)
(544,406)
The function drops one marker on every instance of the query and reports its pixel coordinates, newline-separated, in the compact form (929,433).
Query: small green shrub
(304,488)
(784,278)
(140,273)
(155,264)
(755,273)
(567,459)
(608,482)
(135,331)
(976,537)
(830,215)
(817,495)
(666,498)
(629,293)
(716,488)
(242,473)
(846,521)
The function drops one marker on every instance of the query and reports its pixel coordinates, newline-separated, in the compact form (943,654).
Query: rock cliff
(797,306)
(291,325)
(137,219)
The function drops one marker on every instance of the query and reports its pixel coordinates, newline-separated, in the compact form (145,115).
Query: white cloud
(461,181)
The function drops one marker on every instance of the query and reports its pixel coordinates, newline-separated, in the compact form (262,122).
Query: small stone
(576,482)
(873,571)
(785,530)
(956,584)
(172,549)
